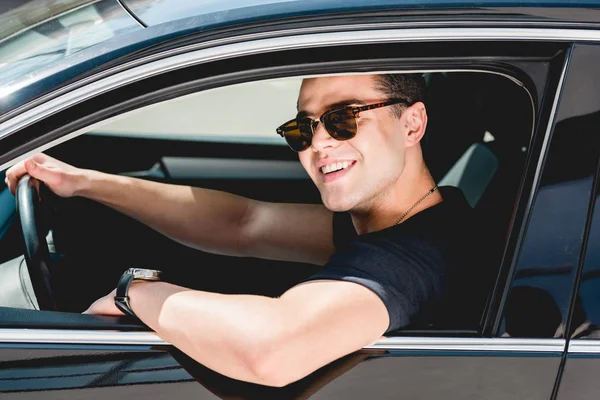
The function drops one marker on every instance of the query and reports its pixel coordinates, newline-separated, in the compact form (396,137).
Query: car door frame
(211,53)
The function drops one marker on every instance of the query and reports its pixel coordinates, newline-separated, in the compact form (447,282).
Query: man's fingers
(36,166)
(58,176)
(40,158)
(41,172)
(104,306)
(31,167)
(13,175)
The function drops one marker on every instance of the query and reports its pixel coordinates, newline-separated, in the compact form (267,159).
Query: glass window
(540,297)
(584,122)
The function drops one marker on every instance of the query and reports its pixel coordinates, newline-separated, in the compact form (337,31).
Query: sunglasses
(340,124)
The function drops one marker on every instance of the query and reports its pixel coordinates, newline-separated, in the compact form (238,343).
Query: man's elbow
(270,371)
(272,363)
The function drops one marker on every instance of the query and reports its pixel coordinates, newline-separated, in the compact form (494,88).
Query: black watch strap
(122,300)
(122,296)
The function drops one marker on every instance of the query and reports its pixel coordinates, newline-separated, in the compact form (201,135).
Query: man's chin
(337,204)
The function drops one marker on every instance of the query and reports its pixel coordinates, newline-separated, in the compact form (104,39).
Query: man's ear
(415,123)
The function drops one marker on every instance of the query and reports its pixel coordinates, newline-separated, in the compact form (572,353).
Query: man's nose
(322,139)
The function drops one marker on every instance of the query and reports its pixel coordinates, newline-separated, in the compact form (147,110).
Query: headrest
(473,172)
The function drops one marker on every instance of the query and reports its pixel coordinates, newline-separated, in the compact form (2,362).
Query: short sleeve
(406,272)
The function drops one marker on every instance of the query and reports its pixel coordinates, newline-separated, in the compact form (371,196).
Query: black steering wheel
(34,227)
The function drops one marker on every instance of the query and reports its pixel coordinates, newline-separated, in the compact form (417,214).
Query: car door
(53,354)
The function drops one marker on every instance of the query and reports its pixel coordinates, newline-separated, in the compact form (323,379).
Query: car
(191,93)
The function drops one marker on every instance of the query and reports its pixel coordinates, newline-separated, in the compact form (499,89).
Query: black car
(191,93)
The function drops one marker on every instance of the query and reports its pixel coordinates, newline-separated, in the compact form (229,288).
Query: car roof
(226,12)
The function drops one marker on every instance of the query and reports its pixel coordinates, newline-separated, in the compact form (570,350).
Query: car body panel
(234,12)
(41,49)
(137,372)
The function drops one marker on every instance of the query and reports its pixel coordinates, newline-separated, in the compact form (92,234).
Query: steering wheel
(33,225)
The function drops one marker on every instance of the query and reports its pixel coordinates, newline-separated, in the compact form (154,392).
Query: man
(358,137)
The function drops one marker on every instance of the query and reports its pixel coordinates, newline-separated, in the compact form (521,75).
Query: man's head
(385,149)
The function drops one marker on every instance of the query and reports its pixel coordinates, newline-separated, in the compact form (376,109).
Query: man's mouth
(336,170)
(333,167)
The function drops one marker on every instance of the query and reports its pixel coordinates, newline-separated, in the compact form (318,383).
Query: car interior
(213,139)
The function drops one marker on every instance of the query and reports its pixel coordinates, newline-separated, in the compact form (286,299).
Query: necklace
(433,189)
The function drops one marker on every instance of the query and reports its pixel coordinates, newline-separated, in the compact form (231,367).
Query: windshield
(38,33)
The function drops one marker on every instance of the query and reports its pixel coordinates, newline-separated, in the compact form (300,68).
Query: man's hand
(105,305)
(63,179)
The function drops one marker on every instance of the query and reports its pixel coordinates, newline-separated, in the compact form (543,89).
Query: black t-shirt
(410,266)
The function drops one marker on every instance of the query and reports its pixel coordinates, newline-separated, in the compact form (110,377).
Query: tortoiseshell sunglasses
(340,124)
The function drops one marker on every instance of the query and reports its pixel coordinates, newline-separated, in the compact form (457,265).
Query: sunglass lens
(340,124)
(297,133)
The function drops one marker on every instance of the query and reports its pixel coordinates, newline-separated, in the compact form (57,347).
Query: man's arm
(259,339)
(209,220)
(220,222)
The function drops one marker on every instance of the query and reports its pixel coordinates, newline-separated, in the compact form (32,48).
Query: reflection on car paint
(71,372)
(30,51)
(587,311)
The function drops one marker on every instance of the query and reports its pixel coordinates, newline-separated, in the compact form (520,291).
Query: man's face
(375,156)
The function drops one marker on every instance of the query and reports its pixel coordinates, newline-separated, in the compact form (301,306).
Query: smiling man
(358,137)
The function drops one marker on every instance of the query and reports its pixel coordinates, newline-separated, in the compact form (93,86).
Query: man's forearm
(201,218)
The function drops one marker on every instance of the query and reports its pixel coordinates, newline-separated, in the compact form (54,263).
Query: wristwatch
(122,296)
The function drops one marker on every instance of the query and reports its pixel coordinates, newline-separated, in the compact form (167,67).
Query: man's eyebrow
(334,106)
(344,103)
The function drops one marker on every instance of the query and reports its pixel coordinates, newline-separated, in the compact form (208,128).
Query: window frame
(59,107)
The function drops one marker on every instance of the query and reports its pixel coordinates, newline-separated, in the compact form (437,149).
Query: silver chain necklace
(433,189)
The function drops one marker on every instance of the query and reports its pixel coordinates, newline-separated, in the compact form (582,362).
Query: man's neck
(389,206)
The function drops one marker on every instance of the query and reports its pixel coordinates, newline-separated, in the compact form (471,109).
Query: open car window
(225,139)
(244,113)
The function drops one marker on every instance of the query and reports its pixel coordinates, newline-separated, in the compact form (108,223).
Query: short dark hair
(410,87)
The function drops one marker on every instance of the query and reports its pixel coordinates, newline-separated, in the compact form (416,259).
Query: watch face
(146,274)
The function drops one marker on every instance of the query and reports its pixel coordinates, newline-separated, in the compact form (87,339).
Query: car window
(245,113)
(579,127)
(586,311)
(540,300)
(225,139)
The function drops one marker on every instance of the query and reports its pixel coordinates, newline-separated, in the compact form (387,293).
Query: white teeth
(326,169)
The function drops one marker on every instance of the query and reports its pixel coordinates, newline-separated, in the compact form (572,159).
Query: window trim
(488,345)
(584,346)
